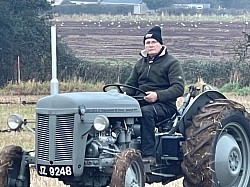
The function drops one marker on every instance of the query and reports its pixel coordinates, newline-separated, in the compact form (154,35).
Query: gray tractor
(93,139)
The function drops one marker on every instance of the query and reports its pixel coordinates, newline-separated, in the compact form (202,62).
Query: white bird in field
(139,27)
(183,24)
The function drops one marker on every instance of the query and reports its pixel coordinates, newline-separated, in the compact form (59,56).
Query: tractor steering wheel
(119,88)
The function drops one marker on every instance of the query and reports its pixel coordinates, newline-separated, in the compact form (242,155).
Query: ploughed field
(123,40)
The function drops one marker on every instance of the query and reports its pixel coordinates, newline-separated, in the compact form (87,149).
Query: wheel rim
(133,175)
(232,156)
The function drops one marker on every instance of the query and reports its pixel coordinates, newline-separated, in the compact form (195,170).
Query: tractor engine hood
(112,104)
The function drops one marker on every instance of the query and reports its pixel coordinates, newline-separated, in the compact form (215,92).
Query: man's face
(152,46)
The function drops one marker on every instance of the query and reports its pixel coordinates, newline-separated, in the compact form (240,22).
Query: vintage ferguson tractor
(93,139)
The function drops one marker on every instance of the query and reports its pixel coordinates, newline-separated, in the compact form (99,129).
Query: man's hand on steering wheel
(120,86)
(151,97)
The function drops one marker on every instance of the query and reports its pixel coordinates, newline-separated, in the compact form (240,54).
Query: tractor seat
(166,125)
(162,126)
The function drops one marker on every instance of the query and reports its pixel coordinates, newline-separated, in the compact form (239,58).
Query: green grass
(235,89)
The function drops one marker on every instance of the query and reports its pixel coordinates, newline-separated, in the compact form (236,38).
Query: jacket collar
(144,54)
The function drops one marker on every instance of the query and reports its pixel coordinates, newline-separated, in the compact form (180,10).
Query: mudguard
(192,108)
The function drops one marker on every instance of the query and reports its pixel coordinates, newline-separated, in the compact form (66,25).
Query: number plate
(55,171)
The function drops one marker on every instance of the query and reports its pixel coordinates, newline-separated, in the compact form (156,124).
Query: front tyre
(128,170)
(10,163)
(217,147)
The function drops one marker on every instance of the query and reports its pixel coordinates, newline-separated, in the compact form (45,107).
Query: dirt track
(123,40)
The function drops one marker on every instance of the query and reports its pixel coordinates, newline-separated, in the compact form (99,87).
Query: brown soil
(123,40)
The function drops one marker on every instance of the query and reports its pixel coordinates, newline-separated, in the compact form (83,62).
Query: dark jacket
(163,75)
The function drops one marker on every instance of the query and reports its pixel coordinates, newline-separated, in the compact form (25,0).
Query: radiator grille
(43,137)
(63,137)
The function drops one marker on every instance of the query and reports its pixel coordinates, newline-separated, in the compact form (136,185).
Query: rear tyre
(10,162)
(128,170)
(217,148)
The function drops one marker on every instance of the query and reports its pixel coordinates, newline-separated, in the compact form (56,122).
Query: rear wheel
(128,170)
(10,162)
(217,148)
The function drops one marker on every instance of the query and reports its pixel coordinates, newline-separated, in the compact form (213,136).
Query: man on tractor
(160,75)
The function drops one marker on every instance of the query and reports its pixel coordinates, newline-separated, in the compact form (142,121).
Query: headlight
(15,122)
(101,123)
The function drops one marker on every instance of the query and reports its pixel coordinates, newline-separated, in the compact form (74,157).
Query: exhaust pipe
(54,85)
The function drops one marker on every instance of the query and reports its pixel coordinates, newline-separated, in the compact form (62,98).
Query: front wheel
(10,163)
(217,147)
(128,170)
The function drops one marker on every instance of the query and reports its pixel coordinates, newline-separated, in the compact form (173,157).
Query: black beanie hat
(155,33)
